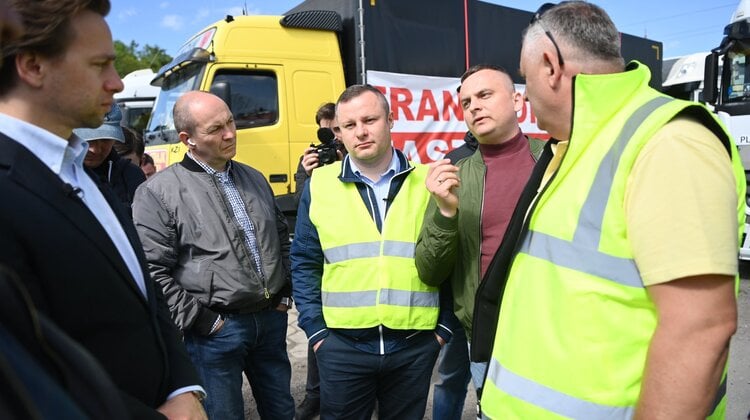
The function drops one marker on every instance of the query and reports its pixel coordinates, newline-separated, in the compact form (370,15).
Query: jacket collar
(597,98)
(348,175)
(192,165)
(104,171)
(51,150)
(34,176)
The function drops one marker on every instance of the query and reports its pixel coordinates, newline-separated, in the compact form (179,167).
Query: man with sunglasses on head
(620,267)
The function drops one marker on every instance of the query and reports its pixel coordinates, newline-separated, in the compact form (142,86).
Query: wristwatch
(288,301)
(199,395)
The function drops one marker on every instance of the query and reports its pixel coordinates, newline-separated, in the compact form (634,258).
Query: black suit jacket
(76,276)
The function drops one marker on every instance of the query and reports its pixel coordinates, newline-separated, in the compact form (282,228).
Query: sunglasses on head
(537,18)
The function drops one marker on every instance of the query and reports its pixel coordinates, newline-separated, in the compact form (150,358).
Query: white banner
(428,119)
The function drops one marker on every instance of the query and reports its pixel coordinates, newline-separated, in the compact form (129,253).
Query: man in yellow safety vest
(375,327)
(619,297)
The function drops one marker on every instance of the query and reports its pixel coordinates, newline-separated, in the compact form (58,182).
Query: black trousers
(351,381)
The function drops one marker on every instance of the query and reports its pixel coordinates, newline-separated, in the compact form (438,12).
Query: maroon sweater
(509,166)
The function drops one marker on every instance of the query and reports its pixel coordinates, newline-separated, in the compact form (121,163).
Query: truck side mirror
(710,74)
(223,91)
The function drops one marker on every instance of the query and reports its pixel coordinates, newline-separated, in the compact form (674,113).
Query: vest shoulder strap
(704,116)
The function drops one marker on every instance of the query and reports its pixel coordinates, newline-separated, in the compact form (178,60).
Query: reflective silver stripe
(352,251)
(589,227)
(399,249)
(387,297)
(369,250)
(409,298)
(552,400)
(581,253)
(581,258)
(349,299)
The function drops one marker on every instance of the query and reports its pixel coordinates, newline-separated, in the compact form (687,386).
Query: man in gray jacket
(219,246)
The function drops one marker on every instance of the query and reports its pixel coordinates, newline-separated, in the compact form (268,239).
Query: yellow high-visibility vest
(576,320)
(369,277)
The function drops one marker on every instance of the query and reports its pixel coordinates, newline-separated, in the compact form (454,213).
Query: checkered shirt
(238,209)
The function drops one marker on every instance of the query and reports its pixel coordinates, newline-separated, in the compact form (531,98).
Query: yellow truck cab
(275,71)
(273,78)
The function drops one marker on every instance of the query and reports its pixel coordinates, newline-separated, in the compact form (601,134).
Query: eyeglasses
(537,18)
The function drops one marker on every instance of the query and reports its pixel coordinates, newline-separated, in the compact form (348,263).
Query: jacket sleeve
(307,273)
(300,178)
(158,232)
(448,322)
(437,246)
(133,177)
(182,372)
(282,227)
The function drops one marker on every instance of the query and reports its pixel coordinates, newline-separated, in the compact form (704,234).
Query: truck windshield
(161,125)
(738,86)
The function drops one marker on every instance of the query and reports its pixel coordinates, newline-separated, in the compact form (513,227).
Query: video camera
(327,148)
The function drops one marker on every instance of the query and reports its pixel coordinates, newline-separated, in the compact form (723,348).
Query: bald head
(184,109)
(490,104)
(205,125)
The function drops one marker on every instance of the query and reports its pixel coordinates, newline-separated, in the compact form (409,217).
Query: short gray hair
(182,115)
(582,26)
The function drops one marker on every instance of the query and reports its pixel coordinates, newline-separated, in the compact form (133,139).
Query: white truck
(683,76)
(726,86)
(137,98)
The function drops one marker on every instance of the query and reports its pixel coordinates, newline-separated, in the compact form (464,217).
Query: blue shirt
(381,187)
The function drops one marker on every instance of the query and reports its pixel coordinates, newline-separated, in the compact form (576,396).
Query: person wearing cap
(121,175)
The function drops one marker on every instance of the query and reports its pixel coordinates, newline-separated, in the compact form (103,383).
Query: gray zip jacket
(196,250)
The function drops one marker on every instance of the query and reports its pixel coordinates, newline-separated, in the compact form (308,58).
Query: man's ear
(184,138)
(518,101)
(552,69)
(31,68)
(390,120)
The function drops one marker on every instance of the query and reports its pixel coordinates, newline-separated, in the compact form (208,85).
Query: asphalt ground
(738,384)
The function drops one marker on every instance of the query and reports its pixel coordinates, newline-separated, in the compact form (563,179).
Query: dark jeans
(453,366)
(312,389)
(252,343)
(351,381)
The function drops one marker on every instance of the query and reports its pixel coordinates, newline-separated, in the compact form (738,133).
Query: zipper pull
(265,291)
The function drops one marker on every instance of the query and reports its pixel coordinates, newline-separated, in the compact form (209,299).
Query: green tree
(128,57)
(125,58)
(153,56)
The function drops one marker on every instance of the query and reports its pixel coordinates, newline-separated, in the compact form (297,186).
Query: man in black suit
(69,241)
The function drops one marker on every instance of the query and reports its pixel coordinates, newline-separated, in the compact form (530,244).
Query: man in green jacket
(471,205)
